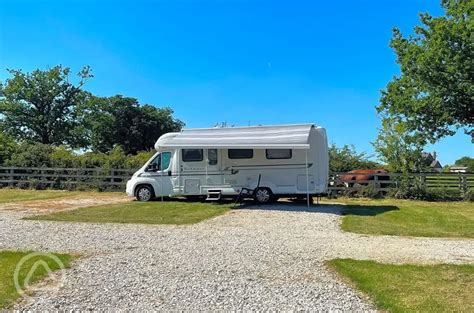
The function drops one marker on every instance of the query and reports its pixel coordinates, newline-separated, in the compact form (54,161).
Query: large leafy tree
(400,149)
(41,106)
(434,95)
(123,121)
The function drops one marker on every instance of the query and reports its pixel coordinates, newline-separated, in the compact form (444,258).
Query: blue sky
(235,61)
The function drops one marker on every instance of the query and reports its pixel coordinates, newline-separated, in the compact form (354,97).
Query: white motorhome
(272,161)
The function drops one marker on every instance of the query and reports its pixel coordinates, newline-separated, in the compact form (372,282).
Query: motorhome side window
(212,156)
(192,155)
(240,153)
(278,154)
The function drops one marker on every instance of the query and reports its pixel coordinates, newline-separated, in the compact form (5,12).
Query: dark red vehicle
(363,176)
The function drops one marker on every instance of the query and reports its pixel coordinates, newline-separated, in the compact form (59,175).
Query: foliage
(399,149)
(469,195)
(46,107)
(7,146)
(31,155)
(41,106)
(123,121)
(8,263)
(434,94)
(369,191)
(466,161)
(41,155)
(346,159)
(420,192)
(408,217)
(172,212)
(412,288)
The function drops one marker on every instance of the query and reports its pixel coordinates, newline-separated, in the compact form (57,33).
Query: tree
(123,121)
(434,95)
(41,106)
(399,149)
(346,159)
(466,161)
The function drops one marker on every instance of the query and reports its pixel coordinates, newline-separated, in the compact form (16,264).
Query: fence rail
(65,178)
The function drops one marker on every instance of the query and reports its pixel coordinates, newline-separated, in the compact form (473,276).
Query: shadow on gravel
(338,209)
(299,206)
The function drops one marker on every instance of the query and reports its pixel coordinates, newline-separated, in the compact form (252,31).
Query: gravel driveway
(264,258)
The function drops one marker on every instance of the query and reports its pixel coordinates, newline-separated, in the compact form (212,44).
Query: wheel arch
(138,185)
(265,184)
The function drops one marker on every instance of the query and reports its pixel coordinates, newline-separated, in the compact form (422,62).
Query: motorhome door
(214,173)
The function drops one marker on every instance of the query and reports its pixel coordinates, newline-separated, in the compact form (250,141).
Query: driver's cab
(153,179)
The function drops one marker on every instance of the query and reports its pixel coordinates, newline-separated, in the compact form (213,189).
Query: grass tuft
(14,195)
(412,288)
(155,212)
(409,218)
(8,264)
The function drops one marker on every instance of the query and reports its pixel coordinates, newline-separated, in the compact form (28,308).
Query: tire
(144,193)
(263,195)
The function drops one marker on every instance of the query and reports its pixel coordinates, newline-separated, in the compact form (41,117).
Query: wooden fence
(64,178)
(70,178)
(389,181)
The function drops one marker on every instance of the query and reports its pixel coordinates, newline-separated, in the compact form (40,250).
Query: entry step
(214,195)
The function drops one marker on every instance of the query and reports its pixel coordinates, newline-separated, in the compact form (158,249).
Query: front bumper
(129,188)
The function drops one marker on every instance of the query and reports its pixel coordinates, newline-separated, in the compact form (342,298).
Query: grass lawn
(155,212)
(412,288)
(12,195)
(8,263)
(409,218)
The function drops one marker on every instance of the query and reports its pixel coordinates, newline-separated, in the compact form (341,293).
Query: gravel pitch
(267,258)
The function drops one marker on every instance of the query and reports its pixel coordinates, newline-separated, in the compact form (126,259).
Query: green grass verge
(8,263)
(412,288)
(155,212)
(13,195)
(409,218)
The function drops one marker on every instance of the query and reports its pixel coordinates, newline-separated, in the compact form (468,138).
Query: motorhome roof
(270,137)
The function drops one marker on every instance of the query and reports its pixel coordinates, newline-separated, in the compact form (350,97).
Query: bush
(40,155)
(360,191)
(36,184)
(31,155)
(418,192)
(469,195)
(443,194)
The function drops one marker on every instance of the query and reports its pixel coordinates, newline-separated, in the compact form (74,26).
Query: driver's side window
(157,163)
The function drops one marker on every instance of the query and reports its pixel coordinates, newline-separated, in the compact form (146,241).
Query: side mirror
(152,168)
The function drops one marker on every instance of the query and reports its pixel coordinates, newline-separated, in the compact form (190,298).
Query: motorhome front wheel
(144,193)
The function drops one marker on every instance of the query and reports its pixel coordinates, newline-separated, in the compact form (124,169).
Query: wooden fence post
(11,177)
(423,180)
(462,183)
